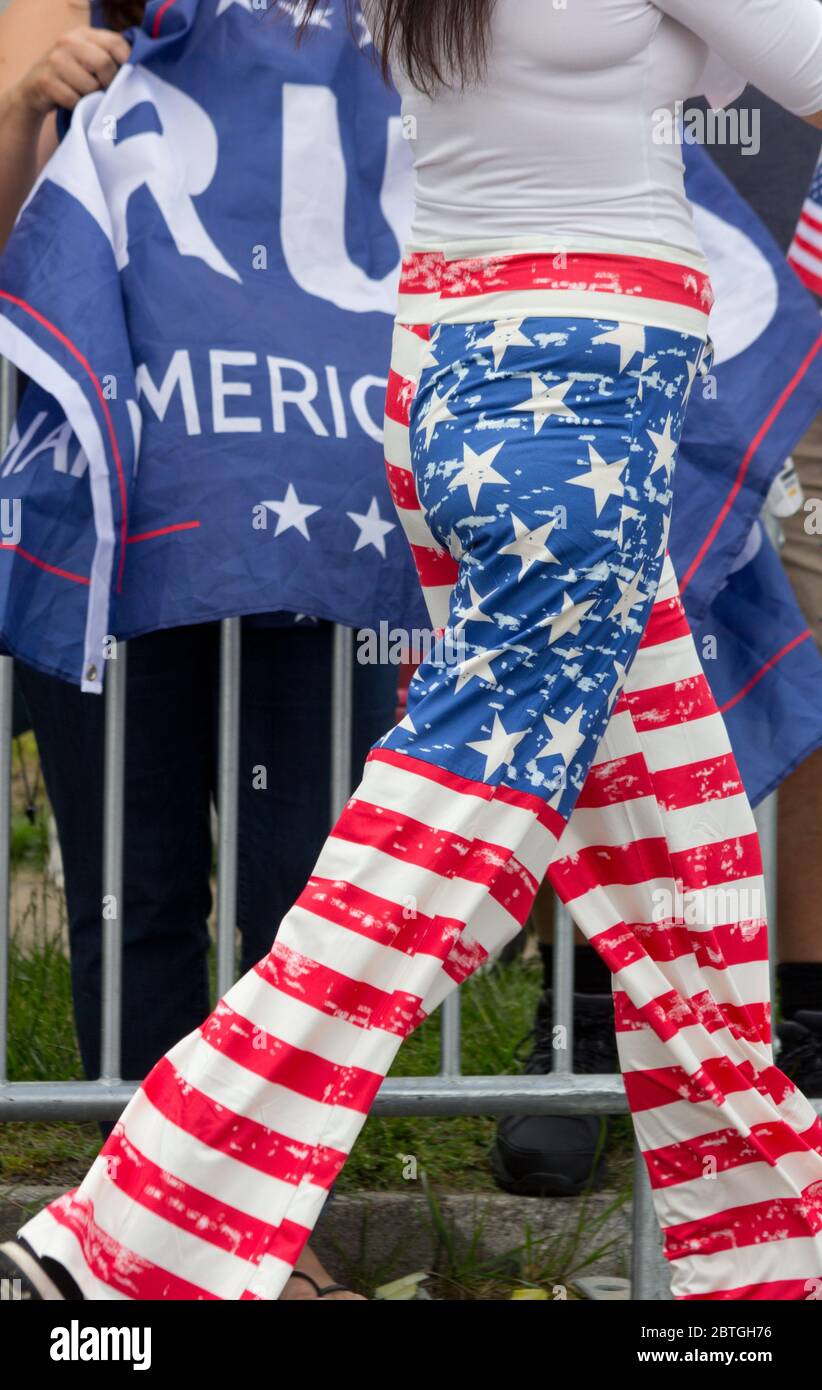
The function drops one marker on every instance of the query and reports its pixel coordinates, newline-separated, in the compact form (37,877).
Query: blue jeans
(171,769)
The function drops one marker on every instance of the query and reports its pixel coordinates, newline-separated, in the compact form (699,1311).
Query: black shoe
(800,1056)
(24,1277)
(559,1155)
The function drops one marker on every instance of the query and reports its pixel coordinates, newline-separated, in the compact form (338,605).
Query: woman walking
(552,321)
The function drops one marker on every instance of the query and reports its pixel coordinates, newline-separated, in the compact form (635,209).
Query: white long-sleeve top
(566,135)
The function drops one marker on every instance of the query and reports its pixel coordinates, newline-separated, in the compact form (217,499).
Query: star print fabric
(563,728)
(544,466)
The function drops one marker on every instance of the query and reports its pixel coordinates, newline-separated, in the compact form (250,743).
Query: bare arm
(50,58)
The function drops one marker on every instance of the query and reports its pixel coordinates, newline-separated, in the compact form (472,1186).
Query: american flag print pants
(561,727)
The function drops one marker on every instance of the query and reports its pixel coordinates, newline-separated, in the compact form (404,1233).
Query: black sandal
(323,1291)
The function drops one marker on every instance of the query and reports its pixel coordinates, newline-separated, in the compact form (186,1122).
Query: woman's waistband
(638,282)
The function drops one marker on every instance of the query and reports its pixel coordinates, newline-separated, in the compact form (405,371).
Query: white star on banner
(477,469)
(529,546)
(436,413)
(291,512)
(507,333)
(603,478)
(373,530)
(499,748)
(665,449)
(569,619)
(547,401)
(565,737)
(628,337)
(631,596)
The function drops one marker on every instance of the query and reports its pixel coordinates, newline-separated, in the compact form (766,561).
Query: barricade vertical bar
(7,403)
(6,689)
(228,801)
(765,816)
(451,1036)
(650,1275)
(8,399)
(563,985)
(114,763)
(342,672)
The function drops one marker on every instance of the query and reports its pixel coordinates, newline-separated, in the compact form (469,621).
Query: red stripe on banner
(666,623)
(403,488)
(809,214)
(693,784)
(666,706)
(763,670)
(756,1223)
(186,1207)
(447,855)
(404,928)
(710,1084)
(238,1137)
(78,357)
(811,281)
(158,18)
(722,1150)
(612,783)
(435,567)
(668,1013)
(164,531)
(114,1264)
(339,996)
(41,564)
(761,434)
(526,801)
(810,248)
(399,394)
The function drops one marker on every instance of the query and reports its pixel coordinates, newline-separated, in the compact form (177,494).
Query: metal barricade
(447,1094)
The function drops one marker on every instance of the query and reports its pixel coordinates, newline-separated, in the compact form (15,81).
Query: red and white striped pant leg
(660,867)
(216,1172)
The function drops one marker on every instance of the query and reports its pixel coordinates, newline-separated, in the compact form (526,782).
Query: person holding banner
(552,319)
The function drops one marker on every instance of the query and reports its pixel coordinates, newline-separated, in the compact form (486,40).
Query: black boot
(800,1056)
(559,1155)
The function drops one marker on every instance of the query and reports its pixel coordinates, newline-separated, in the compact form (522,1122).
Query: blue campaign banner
(763,393)
(763,667)
(201,288)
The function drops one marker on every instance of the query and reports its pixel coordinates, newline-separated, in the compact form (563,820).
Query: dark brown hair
(122,14)
(436,41)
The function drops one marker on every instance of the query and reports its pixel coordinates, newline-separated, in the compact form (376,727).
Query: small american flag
(805,254)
